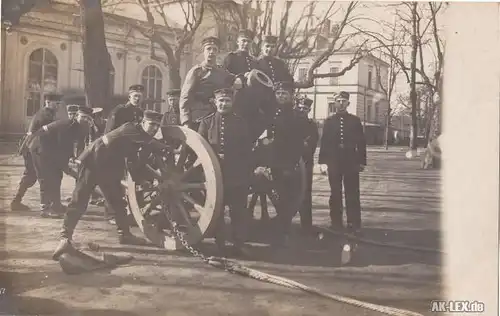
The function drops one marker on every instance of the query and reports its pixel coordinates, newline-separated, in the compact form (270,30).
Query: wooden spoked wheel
(262,190)
(186,181)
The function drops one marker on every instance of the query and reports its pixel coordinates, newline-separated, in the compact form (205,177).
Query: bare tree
(159,29)
(311,34)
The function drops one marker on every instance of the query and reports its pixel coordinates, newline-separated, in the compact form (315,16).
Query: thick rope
(236,268)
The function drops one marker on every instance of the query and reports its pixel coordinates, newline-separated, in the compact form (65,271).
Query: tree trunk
(97,64)
(174,74)
(413,86)
(387,128)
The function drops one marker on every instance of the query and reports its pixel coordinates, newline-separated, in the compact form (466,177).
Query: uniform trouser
(350,180)
(28,178)
(306,208)
(49,175)
(110,185)
(236,200)
(286,186)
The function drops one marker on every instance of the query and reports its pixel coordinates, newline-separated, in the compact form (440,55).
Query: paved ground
(400,202)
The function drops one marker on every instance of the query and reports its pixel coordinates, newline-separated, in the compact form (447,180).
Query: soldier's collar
(204,64)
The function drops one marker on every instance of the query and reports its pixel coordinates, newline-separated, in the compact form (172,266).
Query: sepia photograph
(249,157)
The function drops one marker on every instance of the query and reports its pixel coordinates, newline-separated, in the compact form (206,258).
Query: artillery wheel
(187,180)
(262,191)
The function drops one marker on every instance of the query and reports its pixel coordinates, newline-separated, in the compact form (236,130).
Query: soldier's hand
(361,168)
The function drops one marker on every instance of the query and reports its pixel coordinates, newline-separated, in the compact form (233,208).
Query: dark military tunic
(275,68)
(239,62)
(230,136)
(122,114)
(198,89)
(343,149)
(98,162)
(51,148)
(171,116)
(44,116)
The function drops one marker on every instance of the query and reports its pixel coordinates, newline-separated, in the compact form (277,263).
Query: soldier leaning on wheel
(44,116)
(281,151)
(303,108)
(51,148)
(196,100)
(102,156)
(343,150)
(231,139)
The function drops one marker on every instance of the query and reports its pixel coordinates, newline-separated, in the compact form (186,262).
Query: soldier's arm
(227,61)
(360,142)
(112,120)
(313,138)
(203,129)
(187,94)
(326,143)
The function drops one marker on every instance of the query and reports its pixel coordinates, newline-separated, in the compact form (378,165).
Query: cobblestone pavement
(401,204)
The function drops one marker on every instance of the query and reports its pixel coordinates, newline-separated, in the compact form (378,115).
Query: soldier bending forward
(96,163)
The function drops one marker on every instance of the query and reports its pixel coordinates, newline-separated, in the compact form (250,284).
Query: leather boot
(16,204)
(64,246)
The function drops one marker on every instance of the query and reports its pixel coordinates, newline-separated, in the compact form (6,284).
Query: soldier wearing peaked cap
(303,108)
(231,139)
(201,81)
(241,61)
(72,109)
(343,150)
(44,116)
(171,115)
(96,165)
(272,66)
(51,148)
(128,112)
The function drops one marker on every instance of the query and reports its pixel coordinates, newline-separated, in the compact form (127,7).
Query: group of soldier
(214,101)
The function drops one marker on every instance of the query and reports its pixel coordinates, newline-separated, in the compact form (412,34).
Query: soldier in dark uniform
(51,148)
(196,100)
(129,112)
(230,138)
(171,116)
(241,61)
(343,150)
(284,145)
(44,116)
(303,107)
(96,162)
(272,66)
(72,109)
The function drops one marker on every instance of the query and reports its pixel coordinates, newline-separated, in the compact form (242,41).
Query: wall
(58,32)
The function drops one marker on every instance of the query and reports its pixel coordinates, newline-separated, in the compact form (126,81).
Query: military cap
(343,95)
(136,88)
(53,97)
(174,92)
(271,39)
(246,34)
(85,110)
(72,108)
(211,40)
(97,110)
(283,85)
(152,116)
(222,93)
(305,102)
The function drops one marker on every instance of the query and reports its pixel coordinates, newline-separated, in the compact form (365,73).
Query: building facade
(43,54)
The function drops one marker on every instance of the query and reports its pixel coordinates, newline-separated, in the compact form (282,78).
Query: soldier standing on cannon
(44,116)
(97,163)
(230,138)
(343,150)
(171,116)
(272,66)
(310,143)
(241,61)
(200,83)
(51,148)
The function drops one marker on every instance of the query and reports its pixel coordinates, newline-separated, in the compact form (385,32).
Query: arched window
(42,78)
(152,80)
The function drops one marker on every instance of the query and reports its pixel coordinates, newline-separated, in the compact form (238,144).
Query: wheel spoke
(183,154)
(152,206)
(184,213)
(199,208)
(192,186)
(155,173)
(191,169)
